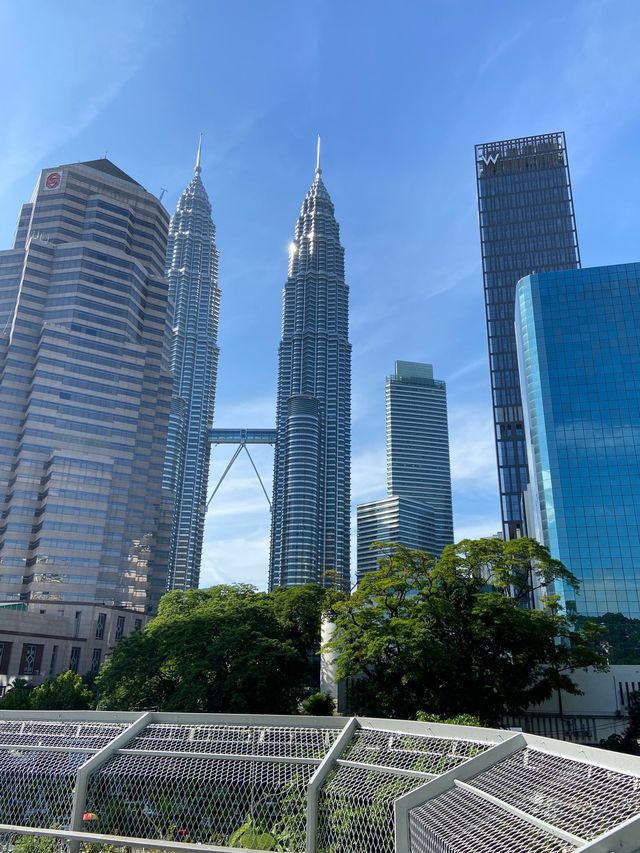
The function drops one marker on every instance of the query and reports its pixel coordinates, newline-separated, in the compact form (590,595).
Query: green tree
(66,692)
(629,742)
(456,637)
(226,649)
(622,638)
(18,698)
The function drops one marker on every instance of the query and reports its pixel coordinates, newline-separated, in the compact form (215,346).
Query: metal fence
(99,781)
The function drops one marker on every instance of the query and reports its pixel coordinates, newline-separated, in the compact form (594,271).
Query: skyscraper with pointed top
(311,487)
(192,271)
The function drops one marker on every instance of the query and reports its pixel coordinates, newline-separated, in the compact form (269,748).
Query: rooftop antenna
(198,167)
(163,191)
(318,169)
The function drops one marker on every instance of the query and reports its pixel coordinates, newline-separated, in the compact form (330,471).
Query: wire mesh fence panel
(583,799)
(424,753)
(201,800)
(238,740)
(28,733)
(36,788)
(459,822)
(355,810)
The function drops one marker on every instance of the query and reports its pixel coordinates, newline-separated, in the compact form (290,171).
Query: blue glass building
(311,483)
(418,510)
(579,354)
(192,270)
(527,224)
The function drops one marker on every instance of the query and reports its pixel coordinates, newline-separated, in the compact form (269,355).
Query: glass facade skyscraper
(192,270)
(418,511)
(85,391)
(527,224)
(311,484)
(579,354)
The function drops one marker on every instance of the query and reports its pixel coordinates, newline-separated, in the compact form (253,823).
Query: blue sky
(400,93)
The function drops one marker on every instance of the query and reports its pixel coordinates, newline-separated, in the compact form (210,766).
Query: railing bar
(32,747)
(381,768)
(317,780)
(221,756)
(514,810)
(117,840)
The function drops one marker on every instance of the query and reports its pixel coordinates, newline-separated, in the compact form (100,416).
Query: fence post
(97,760)
(317,780)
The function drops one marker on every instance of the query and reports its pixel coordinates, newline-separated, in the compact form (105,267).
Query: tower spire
(198,167)
(318,169)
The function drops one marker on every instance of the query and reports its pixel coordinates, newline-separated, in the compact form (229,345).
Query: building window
(137,625)
(31,659)
(76,624)
(5,654)
(120,627)
(95,660)
(102,619)
(54,660)
(74,660)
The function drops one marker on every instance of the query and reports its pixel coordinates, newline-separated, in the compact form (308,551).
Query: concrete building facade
(418,510)
(85,391)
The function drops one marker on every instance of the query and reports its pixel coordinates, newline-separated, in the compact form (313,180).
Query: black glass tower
(527,224)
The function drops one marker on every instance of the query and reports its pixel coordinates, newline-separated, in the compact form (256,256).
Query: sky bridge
(241,438)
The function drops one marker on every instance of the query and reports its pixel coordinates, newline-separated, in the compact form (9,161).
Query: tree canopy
(225,649)
(66,691)
(457,636)
(621,639)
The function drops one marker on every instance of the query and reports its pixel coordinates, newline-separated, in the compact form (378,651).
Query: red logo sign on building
(52,181)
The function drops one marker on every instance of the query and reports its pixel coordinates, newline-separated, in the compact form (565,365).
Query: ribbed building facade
(418,511)
(85,391)
(311,489)
(192,271)
(527,224)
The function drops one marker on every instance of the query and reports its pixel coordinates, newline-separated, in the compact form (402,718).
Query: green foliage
(36,844)
(226,649)
(458,720)
(456,636)
(629,742)
(66,692)
(251,837)
(621,637)
(318,705)
(18,698)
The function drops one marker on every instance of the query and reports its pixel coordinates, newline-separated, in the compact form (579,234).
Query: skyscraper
(311,484)
(192,270)
(527,224)
(579,354)
(417,511)
(84,393)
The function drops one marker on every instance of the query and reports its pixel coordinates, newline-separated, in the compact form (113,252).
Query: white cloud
(368,474)
(237,559)
(258,412)
(473,459)
(474,527)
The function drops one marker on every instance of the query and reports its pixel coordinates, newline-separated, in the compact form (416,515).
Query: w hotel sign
(520,155)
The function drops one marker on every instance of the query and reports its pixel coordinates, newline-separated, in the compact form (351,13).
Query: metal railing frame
(501,743)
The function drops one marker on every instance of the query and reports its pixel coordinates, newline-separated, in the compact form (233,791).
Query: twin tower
(311,484)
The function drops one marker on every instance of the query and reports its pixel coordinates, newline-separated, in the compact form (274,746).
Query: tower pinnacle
(318,169)
(198,167)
